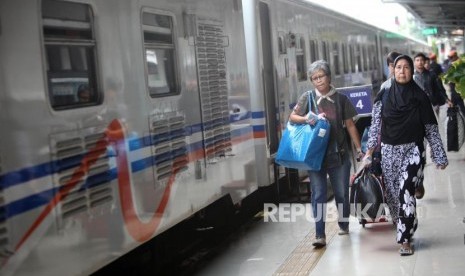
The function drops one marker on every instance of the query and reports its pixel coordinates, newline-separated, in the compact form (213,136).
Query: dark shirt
(432,85)
(436,68)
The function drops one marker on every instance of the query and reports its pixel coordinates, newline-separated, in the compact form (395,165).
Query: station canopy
(445,17)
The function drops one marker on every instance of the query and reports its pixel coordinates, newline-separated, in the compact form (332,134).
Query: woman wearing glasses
(339,111)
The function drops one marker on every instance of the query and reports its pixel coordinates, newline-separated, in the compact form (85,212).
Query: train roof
(319,8)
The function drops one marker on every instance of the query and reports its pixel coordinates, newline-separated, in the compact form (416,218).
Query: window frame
(160,46)
(74,47)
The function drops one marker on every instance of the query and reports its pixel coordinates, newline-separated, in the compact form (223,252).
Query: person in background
(452,57)
(428,64)
(435,67)
(430,83)
(390,63)
(404,118)
(339,111)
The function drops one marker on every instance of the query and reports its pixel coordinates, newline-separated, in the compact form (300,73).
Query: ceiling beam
(424,2)
(460,26)
(432,21)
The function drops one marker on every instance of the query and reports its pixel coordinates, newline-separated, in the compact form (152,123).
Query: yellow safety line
(305,256)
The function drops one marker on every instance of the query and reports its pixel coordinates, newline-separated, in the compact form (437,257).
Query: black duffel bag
(455,125)
(367,196)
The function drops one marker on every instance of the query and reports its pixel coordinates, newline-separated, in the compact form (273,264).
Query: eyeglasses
(318,78)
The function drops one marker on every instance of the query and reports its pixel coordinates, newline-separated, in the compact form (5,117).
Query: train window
(160,54)
(281,46)
(369,57)
(328,53)
(313,50)
(365,58)
(345,64)
(70,51)
(300,59)
(352,57)
(374,60)
(324,51)
(337,70)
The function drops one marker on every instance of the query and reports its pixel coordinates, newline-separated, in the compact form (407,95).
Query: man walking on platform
(429,82)
(435,67)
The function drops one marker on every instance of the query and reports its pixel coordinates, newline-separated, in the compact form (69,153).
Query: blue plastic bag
(303,146)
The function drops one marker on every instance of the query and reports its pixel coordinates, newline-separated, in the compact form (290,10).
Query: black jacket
(432,85)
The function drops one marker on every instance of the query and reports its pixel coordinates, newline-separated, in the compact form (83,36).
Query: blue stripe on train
(33,201)
(34,172)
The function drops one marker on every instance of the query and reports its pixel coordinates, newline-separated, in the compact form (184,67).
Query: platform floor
(284,248)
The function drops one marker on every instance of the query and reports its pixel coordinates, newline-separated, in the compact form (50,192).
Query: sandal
(404,251)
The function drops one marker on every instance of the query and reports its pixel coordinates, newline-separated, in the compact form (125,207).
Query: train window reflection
(70,54)
(160,54)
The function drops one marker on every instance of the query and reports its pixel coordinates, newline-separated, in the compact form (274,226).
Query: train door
(268,79)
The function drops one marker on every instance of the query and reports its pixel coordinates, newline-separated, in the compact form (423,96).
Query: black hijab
(406,110)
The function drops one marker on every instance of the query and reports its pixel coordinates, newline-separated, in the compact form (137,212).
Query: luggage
(455,129)
(367,200)
(303,146)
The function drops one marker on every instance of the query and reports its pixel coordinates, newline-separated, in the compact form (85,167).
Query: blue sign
(360,97)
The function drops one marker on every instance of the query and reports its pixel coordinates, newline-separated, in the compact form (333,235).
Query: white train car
(284,37)
(123,118)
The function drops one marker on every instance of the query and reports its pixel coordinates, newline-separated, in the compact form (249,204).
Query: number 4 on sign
(359,104)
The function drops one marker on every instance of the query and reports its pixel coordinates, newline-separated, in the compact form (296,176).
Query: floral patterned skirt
(402,172)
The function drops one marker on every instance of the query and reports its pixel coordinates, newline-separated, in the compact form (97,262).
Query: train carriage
(124,118)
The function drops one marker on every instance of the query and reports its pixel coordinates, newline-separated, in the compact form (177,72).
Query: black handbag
(455,128)
(367,196)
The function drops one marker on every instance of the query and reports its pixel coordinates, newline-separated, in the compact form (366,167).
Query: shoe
(406,251)
(319,242)
(420,191)
(342,232)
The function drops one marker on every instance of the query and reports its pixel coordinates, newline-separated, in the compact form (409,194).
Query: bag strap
(311,100)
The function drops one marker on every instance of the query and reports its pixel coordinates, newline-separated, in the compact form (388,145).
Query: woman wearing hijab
(339,111)
(404,115)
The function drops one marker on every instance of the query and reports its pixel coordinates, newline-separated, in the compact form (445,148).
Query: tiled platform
(284,248)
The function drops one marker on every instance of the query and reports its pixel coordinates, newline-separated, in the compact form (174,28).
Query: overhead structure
(447,16)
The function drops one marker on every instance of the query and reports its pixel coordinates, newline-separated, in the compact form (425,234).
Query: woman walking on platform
(339,111)
(404,116)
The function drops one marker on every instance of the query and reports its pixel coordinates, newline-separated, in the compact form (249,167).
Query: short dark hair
(391,57)
(420,55)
